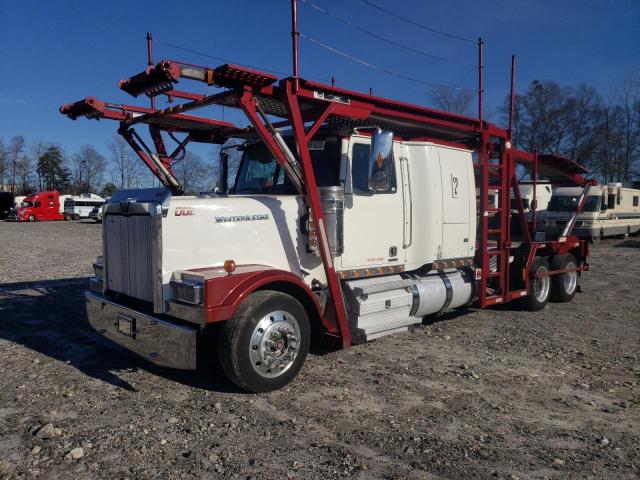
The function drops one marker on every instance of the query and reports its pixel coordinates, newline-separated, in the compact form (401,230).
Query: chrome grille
(130,248)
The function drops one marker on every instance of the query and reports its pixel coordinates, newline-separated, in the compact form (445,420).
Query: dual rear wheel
(558,288)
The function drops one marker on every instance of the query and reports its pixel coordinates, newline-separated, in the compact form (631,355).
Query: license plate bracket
(126,325)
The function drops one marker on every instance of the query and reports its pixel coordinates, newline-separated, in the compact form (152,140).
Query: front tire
(565,285)
(263,346)
(31,218)
(540,286)
(75,216)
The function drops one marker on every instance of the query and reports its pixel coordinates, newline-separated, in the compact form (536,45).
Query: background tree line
(600,132)
(27,167)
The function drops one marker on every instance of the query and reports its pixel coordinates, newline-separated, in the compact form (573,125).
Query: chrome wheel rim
(570,278)
(274,344)
(541,285)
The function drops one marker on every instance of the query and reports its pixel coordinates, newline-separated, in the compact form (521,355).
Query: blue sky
(54,52)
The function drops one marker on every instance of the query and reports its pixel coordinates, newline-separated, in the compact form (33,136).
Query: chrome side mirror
(381,161)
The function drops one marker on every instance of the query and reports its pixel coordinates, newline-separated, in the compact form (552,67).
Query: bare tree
(36,150)
(628,100)
(88,169)
(128,168)
(194,174)
(3,165)
(15,152)
(24,175)
(452,100)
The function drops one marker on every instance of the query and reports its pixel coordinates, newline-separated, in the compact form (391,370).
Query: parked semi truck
(40,206)
(610,210)
(351,217)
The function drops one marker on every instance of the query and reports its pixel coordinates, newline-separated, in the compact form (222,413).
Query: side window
(636,201)
(360,172)
(38,204)
(611,201)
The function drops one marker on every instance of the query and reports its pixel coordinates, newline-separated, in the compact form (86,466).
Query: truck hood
(204,231)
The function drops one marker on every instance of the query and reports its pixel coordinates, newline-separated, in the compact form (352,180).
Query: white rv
(81,206)
(610,210)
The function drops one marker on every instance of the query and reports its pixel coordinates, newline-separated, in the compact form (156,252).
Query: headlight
(98,268)
(187,291)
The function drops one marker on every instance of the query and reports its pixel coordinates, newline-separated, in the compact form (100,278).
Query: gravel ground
(487,394)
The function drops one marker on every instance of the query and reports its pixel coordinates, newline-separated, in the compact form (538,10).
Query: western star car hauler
(39,206)
(610,210)
(354,222)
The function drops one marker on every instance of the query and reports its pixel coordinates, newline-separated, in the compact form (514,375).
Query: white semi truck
(355,222)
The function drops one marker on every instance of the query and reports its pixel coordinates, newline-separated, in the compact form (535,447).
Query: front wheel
(263,346)
(540,286)
(31,218)
(75,216)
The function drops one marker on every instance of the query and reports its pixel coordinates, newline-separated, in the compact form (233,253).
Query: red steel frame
(305,106)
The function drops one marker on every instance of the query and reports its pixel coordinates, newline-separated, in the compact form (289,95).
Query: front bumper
(163,343)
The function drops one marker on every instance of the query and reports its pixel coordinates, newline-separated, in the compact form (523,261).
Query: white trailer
(542,197)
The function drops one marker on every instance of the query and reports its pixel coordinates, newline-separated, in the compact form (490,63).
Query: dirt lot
(490,394)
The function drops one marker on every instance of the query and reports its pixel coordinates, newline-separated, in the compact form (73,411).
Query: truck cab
(41,206)
(386,221)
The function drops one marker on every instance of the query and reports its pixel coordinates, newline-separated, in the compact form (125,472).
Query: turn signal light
(229,266)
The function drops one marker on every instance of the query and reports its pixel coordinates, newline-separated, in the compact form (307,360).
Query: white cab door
(374,227)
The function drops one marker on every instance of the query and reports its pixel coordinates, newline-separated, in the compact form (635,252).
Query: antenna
(480,76)
(294,38)
(150,60)
(512,96)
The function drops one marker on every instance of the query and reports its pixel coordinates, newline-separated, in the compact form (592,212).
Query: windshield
(260,173)
(26,204)
(568,203)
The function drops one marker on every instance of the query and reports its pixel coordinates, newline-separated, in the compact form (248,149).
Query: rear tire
(263,346)
(595,239)
(540,287)
(565,285)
